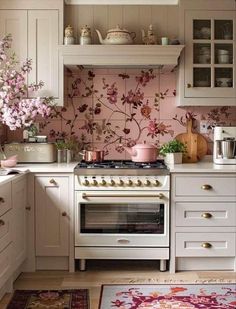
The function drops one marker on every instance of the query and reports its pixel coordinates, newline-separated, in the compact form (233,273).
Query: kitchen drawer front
(205,214)
(201,185)
(5,198)
(5,264)
(219,244)
(5,230)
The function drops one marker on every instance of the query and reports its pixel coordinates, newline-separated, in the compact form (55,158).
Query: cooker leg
(162,265)
(82,264)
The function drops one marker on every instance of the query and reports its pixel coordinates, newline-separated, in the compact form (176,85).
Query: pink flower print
(134,98)
(146,110)
(112,93)
(145,77)
(153,128)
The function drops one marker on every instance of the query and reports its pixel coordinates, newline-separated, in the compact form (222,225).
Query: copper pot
(93,155)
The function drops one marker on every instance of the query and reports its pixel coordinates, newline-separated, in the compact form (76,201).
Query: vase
(61,155)
(173,158)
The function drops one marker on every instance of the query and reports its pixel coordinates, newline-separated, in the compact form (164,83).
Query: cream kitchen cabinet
(19,192)
(207,74)
(52,216)
(37,32)
(203,222)
(12,230)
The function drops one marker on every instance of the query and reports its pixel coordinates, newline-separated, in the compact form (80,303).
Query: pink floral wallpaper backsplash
(109,108)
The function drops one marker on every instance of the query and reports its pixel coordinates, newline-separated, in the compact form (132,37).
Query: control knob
(95,183)
(121,183)
(157,183)
(85,183)
(139,183)
(130,183)
(103,183)
(112,183)
(148,183)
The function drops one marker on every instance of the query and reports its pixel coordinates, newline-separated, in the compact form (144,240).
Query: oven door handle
(86,196)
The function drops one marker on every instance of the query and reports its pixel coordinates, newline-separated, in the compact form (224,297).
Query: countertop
(48,167)
(202,167)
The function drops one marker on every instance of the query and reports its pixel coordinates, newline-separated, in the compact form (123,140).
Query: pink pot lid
(144,146)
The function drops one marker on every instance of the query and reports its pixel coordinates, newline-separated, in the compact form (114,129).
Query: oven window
(122,218)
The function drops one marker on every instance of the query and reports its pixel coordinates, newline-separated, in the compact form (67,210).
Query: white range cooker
(122,211)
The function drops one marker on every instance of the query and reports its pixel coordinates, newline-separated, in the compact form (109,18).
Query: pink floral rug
(174,296)
(57,299)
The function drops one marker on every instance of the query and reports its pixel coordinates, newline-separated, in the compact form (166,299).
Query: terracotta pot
(93,155)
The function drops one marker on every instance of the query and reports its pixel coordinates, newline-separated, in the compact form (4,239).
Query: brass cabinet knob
(95,183)
(2,200)
(85,183)
(28,208)
(206,187)
(206,245)
(103,183)
(139,183)
(2,223)
(189,85)
(112,183)
(64,214)
(206,215)
(53,181)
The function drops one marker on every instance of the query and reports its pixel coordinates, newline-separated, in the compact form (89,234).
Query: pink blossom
(15,110)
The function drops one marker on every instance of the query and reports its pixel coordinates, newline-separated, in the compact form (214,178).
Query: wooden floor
(111,272)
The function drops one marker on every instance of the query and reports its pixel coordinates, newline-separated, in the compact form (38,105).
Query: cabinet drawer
(201,185)
(5,198)
(5,230)
(5,265)
(217,244)
(205,214)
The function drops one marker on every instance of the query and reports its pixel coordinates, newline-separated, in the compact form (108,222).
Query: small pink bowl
(8,163)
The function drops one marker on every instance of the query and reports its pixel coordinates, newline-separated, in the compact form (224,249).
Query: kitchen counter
(48,167)
(202,167)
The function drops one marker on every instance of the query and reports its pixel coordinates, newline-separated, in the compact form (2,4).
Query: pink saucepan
(142,152)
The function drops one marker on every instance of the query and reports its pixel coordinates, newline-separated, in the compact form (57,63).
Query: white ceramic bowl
(222,52)
(223,59)
(224,82)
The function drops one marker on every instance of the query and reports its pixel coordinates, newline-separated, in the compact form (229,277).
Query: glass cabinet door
(210,54)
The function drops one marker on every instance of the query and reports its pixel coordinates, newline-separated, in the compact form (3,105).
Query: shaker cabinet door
(19,221)
(52,215)
(43,40)
(14,22)
(210,54)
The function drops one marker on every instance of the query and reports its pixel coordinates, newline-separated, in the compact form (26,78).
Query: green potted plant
(173,152)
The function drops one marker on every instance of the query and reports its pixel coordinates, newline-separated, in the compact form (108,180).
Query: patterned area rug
(174,296)
(56,299)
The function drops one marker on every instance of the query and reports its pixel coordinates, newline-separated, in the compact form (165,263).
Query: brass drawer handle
(189,85)
(123,241)
(64,214)
(206,215)
(206,187)
(2,223)
(28,208)
(2,200)
(206,245)
(53,181)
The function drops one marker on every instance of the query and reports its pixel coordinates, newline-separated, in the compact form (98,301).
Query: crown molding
(122,2)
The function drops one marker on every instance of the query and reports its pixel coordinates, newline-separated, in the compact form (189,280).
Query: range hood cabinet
(120,55)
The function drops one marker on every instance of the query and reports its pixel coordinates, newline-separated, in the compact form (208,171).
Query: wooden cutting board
(195,143)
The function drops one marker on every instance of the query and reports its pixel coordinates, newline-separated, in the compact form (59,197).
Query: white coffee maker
(224,151)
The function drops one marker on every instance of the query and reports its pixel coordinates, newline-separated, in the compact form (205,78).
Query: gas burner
(122,164)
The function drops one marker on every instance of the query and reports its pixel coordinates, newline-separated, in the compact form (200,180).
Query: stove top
(115,166)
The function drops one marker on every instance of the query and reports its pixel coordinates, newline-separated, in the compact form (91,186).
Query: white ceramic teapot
(117,36)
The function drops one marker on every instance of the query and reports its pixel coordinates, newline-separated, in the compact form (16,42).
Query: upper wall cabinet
(207,71)
(37,30)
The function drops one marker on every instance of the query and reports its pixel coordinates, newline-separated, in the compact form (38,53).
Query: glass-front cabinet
(209,63)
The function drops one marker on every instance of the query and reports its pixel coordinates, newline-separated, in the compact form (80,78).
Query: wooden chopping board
(195,143)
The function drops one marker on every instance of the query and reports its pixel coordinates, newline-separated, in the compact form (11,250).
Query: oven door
(122,218)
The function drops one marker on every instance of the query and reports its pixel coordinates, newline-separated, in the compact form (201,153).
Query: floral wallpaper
(109,108)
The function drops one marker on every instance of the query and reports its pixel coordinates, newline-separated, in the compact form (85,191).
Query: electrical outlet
(203,126)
